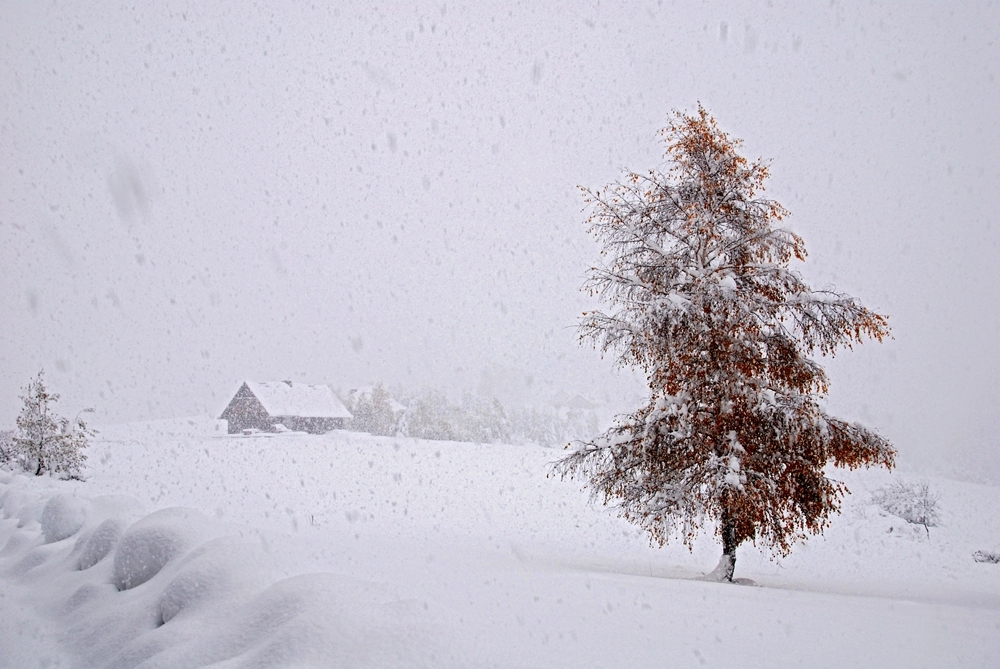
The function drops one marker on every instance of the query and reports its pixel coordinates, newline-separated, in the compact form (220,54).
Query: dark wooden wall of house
(311,425)
(245,412)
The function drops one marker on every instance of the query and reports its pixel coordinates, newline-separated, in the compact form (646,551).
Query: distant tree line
(429,414)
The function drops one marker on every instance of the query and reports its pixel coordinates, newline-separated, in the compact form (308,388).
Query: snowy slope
(351,550)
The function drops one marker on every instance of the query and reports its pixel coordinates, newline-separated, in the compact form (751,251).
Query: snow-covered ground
(186,547)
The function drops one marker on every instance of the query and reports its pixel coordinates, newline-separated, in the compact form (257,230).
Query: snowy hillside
(186,547)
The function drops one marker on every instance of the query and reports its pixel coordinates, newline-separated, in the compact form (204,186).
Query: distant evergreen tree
(373,412)
(704,302)
(45,441)
(429,416)
(481,420)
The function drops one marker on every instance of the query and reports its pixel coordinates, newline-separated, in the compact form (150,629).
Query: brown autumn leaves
(701,298)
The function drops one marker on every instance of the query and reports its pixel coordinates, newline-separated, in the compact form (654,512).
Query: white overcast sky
(196,194)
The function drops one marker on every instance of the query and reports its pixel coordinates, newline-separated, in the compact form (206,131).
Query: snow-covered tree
(702,299)
(45,441)
(480,419)
(373,411)
(430,415)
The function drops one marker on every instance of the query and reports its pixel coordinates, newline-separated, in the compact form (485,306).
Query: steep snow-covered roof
(285,398)
(580,402)
(562,399)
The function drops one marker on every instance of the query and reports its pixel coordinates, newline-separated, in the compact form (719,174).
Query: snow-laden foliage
(8,449)
(45,441)
(429,415)
(913,502)
(374,411)
(702,299)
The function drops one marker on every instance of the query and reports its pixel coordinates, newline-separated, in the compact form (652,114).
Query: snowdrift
(189,550)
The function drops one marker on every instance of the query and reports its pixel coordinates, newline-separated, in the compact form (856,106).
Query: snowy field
(186,547)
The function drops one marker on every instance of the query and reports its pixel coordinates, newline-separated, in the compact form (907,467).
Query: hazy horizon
(194,195)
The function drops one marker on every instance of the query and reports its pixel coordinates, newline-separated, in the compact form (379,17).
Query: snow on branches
(696,274)
(45,441)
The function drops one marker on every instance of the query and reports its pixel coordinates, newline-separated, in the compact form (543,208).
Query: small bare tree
(45,441)
(704,302)
(915,503)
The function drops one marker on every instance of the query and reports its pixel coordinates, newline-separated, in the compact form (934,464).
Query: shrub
(913,502)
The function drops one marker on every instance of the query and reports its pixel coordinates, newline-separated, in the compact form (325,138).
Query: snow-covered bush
(913,502)
(986,556)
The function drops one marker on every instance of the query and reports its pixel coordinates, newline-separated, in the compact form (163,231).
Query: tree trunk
(728,546)
(727,563)
(41,463)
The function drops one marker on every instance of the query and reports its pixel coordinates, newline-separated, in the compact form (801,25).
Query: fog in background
(193,194)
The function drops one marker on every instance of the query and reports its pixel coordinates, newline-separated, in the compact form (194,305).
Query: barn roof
(284,398)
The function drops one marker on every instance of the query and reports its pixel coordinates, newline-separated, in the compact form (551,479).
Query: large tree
(696,272)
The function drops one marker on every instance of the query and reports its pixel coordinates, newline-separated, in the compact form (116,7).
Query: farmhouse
(296,406)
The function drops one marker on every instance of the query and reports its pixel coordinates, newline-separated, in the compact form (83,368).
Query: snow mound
(208,576)
(357,551)
(62,517)
(11,501)
(20,505)
(187,590)
(152,542)
(99,544)
(324,619)
(16,544)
